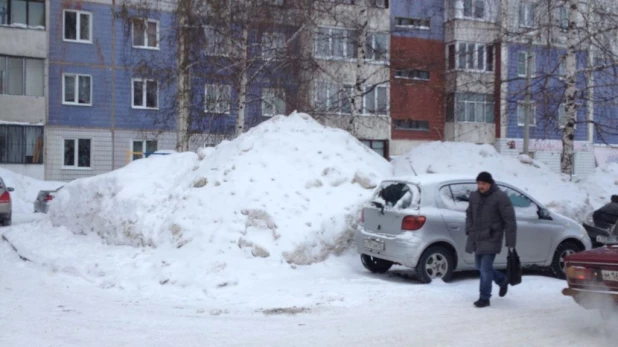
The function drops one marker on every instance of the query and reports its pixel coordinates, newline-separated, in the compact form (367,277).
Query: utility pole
(528,101)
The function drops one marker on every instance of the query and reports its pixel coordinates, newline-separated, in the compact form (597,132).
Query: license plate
(610,275)
(606,239)
(374,245)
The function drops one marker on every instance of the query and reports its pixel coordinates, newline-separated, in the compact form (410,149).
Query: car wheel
(6,222)
(436,262)
(558,264)
(375,265)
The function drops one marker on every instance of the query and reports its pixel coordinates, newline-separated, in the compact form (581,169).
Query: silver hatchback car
(420,221)
(6,206)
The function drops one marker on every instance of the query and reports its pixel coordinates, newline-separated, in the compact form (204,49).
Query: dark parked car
(598,231)
(43,199)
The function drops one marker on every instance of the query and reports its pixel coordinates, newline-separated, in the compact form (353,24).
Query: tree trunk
(184,77)
(244,81)
(568,134)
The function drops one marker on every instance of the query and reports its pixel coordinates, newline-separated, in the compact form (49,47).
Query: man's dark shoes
(504,289)
(481,303)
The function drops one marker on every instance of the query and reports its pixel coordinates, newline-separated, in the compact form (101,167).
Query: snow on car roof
(425,179)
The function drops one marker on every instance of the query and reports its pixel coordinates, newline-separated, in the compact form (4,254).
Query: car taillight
(49,198)
(411,223)
(578,273)
(5,197)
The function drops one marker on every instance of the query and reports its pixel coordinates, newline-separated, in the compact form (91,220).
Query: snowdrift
(26,190)
(288,190)
(602,184)
(554,190)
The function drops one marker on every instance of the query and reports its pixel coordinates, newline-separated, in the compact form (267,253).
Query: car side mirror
(544,214)
(10,189)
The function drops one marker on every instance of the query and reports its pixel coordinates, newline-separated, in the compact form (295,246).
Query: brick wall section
(418,100)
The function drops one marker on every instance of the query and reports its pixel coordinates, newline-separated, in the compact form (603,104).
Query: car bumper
(591,299)
(405,249)
(41,208)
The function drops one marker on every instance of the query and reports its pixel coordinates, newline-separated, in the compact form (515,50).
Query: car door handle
(455,228)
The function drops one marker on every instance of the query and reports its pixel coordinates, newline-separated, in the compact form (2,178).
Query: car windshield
(397,195)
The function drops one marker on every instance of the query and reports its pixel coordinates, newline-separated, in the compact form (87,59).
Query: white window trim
(227,43)
(483,104)
(371,35)
(412,26)
(144,147)
(484,18)
(276,91)
(78,26)
(330,44)
(273,50)
(77,87)
(476,48)
(76,154)
(146,22)
(331,88)
(218,86)
(388,97)
(533,72)
(412,78)
(144,84)
(530,7)
(532,115)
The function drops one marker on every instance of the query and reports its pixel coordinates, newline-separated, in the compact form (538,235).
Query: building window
(375,100)
(378,146)
(21,144)
(410,124)
(412,74)
(77,153)
(77,89)
(77,26)
(471,56)
(21,76)
(522,64)
(564,18)
(521,113)
(335,43)
(471,108)
(273,102)
(474,9)
(145,93)
(527,14)
(413,23)
(331,98)
(145,33)
(143,149)
(273,45)
(216,42)
(376,47)
(23,13)
(377,3)
(217,98)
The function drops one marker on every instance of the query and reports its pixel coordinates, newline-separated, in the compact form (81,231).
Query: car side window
(524,207)
(457,196)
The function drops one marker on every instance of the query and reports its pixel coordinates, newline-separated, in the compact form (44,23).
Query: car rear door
(453,202)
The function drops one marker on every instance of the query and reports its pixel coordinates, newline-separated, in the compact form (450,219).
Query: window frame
(9,20)
(77,88)
(374,90)
(219,88)
(455,54)
(276,94)
(483,105)
(373,35)
(473,8)
(75,165)
(533,68)
(4,82)
(331,56)
(271,41)
(144,146)
(399,23)
(397,125)
(218,37)
(533,115)
(333,90)
(529,14)
(144,94)
(8,144)
(146,22)
(78,20)
(401,74)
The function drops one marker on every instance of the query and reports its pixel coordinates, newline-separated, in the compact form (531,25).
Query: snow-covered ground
(249,244)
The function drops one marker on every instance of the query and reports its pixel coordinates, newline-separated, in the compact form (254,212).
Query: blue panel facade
(606,105)
(547,91)
(420,9)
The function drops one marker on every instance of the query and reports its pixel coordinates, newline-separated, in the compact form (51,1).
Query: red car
(592,278)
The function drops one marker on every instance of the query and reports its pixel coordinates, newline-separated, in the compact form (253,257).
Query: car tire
(563,250)
(375,265)
(6,222)
(436,262)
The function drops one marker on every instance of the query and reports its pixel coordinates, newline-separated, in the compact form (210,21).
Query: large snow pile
(26,189)
(554,190)
(288,190)
(602,184)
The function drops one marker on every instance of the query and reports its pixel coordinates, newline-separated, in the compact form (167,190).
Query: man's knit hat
(485,177)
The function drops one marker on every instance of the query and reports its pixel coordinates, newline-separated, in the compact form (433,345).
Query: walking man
(489,217)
